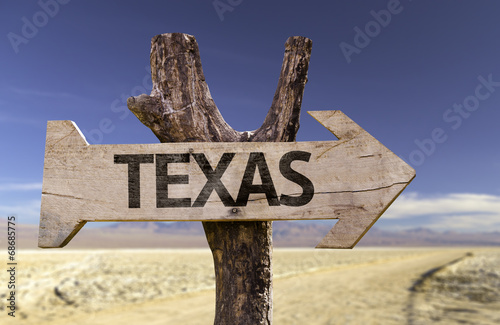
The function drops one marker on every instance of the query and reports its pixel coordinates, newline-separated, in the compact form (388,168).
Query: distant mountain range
(285,234)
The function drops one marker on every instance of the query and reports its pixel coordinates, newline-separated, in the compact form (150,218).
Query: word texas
(256,161)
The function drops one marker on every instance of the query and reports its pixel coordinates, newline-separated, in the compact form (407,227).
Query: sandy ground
(360,286)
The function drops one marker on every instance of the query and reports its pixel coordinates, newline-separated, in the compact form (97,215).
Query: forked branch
(181,109)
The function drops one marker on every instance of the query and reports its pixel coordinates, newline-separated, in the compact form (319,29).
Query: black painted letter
(290,174)
(213,179)
(163,179)
(134,175)
(257,160)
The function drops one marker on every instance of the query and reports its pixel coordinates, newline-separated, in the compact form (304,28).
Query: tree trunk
(181,109)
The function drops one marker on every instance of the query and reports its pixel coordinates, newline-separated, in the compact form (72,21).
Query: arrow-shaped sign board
(354,179)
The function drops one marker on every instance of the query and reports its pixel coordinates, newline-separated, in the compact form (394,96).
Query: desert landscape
(176,286)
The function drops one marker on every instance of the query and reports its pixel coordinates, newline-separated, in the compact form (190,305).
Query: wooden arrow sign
(354,179)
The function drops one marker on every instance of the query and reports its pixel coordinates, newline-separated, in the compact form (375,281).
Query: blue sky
(423,77)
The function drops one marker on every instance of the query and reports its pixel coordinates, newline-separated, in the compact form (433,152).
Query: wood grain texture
(354,180)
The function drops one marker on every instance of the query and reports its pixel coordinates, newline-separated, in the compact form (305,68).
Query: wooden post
(181,109)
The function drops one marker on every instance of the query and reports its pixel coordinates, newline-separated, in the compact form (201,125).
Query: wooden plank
(353,179)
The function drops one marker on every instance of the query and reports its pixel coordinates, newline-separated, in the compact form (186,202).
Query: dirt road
(376,292)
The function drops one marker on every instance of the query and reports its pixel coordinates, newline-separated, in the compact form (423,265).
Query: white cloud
(468,223)
(455,211)
(26,212)
(21,187)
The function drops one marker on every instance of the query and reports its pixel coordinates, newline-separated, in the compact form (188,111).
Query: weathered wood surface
(353,179)
(181,109)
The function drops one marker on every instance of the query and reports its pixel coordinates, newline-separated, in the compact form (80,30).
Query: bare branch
(282,120)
